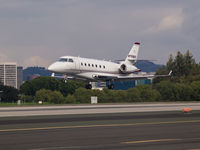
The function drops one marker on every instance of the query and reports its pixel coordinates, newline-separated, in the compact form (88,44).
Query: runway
(94,109)
(166,130)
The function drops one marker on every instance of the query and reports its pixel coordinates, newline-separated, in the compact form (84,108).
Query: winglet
(170,73)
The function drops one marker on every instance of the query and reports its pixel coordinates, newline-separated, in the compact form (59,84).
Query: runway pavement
(94,109)
(166,130)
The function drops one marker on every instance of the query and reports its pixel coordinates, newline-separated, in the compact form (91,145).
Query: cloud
(43,30)
(168,22)
(36,61)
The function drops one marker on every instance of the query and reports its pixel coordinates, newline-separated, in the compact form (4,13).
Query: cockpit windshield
(66,60)
(63,60)
(70,60)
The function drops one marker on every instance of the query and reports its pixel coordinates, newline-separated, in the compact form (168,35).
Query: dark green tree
(183,67)
(167,90)
(133,95)
(147,93)
(170,63)
(70,99)
(179,65)
(189,63)
(49,96)
(31,87)
(196,90)
(8,94)
(83,95)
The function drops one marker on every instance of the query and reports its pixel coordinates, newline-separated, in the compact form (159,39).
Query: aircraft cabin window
(89,65)
(99,66)
(92,65)
(96,65)
(104,67)
(81,64)
(70,60)
(63,59)
(85,64)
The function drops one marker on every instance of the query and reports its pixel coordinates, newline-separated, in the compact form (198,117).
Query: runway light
(187,110)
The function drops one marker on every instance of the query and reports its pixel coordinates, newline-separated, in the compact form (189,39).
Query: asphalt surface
(172,130)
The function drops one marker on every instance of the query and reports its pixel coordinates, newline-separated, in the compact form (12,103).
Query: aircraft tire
(111,86)
(88,86)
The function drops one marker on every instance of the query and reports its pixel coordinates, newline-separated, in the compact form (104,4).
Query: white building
(8,74)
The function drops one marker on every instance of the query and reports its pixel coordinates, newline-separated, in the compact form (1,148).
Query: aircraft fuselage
(89,69)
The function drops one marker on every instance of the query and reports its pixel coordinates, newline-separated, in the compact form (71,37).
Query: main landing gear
(111,86)
(88,86)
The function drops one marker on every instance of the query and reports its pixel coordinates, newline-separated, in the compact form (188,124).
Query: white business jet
(99,70)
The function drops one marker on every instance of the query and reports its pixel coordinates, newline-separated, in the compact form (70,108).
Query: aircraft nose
(57,67)
(51,68)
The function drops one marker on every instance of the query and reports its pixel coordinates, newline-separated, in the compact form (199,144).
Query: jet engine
(125,68)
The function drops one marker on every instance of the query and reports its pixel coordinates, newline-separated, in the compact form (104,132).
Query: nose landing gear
(65,79)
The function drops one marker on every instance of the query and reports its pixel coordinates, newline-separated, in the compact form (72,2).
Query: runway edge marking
(98,125)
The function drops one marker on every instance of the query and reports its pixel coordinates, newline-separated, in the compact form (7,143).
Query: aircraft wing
(122,77)
(127,77)
(94,76)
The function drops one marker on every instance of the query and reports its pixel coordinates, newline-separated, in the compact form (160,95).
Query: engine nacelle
(125,68)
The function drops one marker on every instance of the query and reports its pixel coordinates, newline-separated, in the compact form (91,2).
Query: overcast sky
(37,32)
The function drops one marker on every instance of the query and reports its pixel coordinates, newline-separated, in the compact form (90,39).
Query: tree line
(183,85)
(8,93)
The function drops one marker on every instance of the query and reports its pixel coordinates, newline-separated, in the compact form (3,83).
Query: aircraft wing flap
(140,77)
(135,77)
(125,77)
(104,77)
(120,77)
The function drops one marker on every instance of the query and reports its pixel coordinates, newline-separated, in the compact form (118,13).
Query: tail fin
(133,54)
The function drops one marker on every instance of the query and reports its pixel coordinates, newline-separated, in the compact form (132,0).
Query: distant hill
(35,71)
(145,66)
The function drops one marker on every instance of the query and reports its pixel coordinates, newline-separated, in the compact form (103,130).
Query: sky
(38,32)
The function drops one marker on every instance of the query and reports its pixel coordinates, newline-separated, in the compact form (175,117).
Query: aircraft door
(77,65)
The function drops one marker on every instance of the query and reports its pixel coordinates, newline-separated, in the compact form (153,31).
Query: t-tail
(131,59)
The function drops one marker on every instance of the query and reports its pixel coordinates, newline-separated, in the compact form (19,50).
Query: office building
(8,74)
(19,76)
